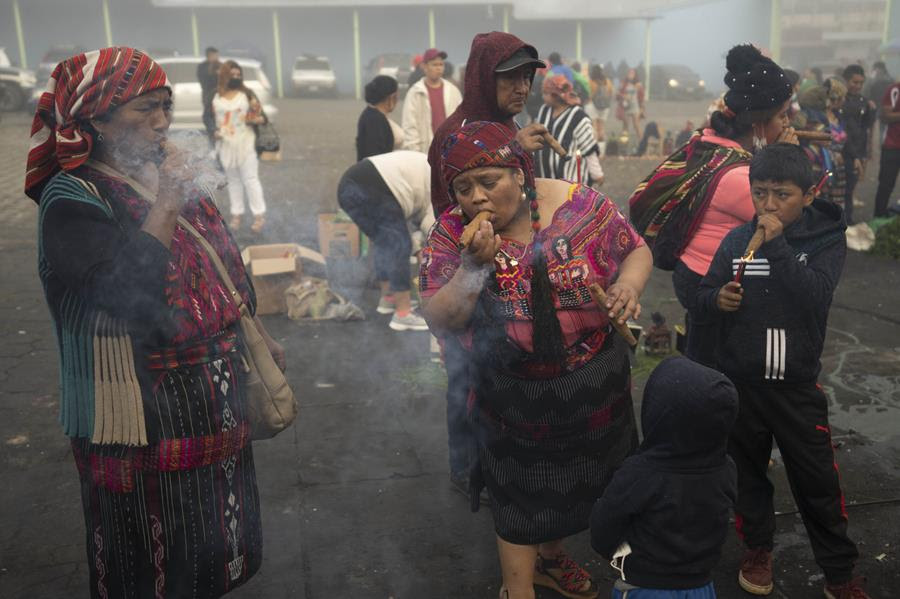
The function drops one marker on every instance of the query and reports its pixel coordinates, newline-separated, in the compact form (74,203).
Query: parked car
(675,82)
(188,109)
(16,85)
(313,75)
(396,65)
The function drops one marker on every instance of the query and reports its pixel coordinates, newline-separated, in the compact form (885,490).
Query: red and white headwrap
(81,88)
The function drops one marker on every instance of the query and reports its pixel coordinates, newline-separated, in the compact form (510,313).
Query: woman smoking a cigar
(552,396)
(152,382)
(712,173)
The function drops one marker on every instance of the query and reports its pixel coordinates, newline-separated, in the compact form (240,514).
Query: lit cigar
(599,296)
(554,145)
(759,236)
(813,136)
(469,231)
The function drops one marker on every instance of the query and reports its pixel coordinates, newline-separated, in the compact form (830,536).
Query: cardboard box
(273,268)
(338,238)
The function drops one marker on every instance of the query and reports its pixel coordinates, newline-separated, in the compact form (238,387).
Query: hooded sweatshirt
(479,102)
(777,335)
(672,499)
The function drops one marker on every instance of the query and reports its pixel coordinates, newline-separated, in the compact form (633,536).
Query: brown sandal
(565,576)
(235,223)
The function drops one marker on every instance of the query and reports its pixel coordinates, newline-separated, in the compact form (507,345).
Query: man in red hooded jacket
(498,79)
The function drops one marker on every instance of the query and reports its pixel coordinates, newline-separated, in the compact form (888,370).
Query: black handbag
(267,139)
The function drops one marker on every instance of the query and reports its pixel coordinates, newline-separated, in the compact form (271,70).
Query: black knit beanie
(754,81)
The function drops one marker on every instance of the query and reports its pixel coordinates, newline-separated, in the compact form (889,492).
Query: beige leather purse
(270,401)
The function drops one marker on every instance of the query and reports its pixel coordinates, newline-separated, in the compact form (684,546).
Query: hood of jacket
(687,414)
(480,98)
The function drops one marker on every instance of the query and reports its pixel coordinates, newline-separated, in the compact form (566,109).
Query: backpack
(668,205)
(603,98)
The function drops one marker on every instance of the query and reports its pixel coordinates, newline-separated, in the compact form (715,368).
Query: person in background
(572,127)
(428,102)
(416,73)
(631,102)
(237,109)
(208,76)
(129,287)
(552,393)
(557,67)
(876,87)
(664,515)
(820,112)
(382,194)
(602,92)
(535,95)
(685,134)
(890,150)
(376,133)
(858,115)
(774,322)
(753,114)
(498,77)
(812,77)
(581,84)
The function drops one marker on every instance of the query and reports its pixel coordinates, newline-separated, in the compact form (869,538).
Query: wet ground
(356,496)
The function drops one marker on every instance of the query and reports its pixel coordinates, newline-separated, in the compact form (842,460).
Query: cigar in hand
(469,231)
(554,145)
(599,296)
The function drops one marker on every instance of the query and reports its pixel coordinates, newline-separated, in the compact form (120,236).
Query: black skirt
(549,447)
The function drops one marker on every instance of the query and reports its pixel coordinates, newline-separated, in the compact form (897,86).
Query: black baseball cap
(524,56)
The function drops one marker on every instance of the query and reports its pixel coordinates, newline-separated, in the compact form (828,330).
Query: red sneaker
(849,590)
(755,575)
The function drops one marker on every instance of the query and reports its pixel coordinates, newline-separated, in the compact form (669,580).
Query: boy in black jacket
(772,333)
(671,500)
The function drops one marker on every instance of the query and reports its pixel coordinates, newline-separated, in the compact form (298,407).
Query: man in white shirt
(428,102)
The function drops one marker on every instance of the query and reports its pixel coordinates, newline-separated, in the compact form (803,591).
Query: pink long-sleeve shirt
(731,205)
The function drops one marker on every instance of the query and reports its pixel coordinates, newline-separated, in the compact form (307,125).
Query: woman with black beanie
(375,132)
(707,182)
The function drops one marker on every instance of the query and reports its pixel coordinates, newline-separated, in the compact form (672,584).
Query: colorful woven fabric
(586,243)
(480,144)
(81,88)
(667,206)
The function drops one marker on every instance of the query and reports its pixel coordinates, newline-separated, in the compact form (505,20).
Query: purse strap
(217,262)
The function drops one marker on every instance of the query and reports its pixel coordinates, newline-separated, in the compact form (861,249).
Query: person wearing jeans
(382,194)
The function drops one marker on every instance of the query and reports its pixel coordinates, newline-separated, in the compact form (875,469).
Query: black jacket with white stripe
(777,335)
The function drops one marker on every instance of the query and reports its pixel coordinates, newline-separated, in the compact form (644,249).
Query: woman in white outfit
(237,109)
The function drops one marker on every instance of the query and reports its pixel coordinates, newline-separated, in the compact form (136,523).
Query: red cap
(432,53)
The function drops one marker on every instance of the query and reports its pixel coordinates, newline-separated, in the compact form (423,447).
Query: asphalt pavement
(356,498)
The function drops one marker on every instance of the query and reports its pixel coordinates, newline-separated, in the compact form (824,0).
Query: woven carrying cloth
(668,205)
(81,88)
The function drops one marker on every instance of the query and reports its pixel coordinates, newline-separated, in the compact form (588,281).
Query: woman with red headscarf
(551,386)
(152,391)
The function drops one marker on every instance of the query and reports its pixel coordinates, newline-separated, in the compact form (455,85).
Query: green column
(505,19)
(195,33)
(276,40)
(647,43)
(888,14)
(775,31)
(357,67)
(17,17)
(431,37)
(578,41)
(106,24)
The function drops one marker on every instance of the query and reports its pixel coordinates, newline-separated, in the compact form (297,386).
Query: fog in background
(698,36)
